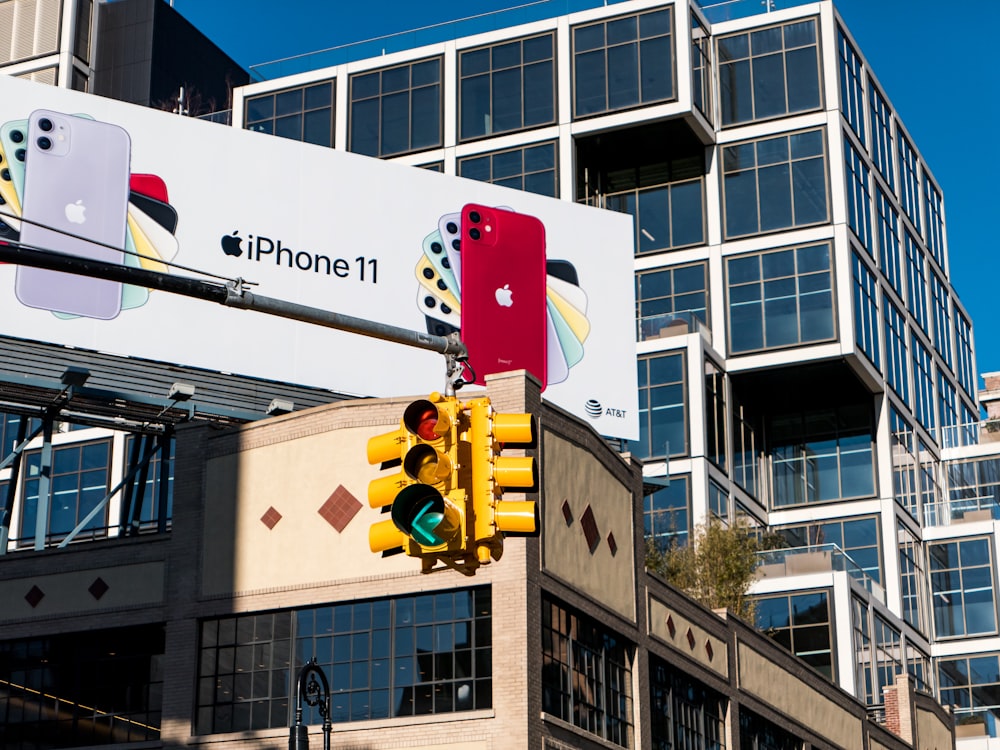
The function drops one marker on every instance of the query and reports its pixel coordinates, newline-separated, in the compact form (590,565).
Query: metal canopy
(131,393)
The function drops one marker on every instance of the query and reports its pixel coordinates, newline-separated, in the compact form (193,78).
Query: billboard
(328,229)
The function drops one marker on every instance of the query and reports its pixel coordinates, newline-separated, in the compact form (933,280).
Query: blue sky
(938,73)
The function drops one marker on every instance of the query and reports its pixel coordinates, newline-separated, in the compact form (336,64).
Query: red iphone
(503,292)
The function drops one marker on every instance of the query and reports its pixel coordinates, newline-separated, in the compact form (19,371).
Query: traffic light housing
(426,500)
(493,516)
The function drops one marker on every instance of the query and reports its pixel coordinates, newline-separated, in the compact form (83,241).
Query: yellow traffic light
(492,472)
(428,507)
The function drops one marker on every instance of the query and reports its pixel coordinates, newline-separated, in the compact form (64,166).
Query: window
(701,69)
(715,414)
(962,587)
(857,538)
(881,129)
(859,199)
(667,216)
(402,656)
(930,491)
(866,310)
(685,713)
(904,463)
(852,97)
(148,495)
(746,453)
(897,359)
(396,110)
(718,503)
(974,485)
(780,298)
(863,676)
(913,579)
(916,282)
(94,687)
(622,63)
(948,413)
(774,183)
(666,514)
(507,87)
(909,186)
(769,73)
(942,318)
(758,733)
(301,114)
(9,424)
(969,424)
(918,664)
(888,654)
(972,683)
(668,295)
(586,674)
(934,229)
(530,168)
(78,482)
(822,455)
(888,242)
(923,386)
(662,410)
(801,623)
(965,363)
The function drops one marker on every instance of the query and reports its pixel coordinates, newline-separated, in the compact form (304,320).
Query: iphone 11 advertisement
(527,282)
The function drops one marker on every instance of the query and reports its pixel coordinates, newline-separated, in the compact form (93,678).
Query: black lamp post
(313,688)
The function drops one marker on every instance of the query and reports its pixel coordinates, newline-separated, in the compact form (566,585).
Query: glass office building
(804,363)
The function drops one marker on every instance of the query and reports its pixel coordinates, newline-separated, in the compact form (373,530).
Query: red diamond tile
(34,596)
(340,508)
(671,628)
(567,513)
(589,524)
(709,650)
(270,518)
(612,543)
(98,588)
(690,638)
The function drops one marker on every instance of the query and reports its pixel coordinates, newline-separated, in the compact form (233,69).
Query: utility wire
(151,259)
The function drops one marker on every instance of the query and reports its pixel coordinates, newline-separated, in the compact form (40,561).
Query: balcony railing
(671,324)
(976,722)
(962,510)
(447,31)
(955,436)
(815,558)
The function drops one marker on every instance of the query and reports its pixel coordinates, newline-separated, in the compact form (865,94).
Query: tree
(716,569)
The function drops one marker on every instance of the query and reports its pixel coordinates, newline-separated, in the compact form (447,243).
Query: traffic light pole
(231,294)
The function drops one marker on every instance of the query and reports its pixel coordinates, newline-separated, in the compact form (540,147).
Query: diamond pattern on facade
(612,544)
(709,651)
(34,596)
(690,638)
(590,531)
(270,518)
(98,588)
(567,513)
(671,628)
(340,508)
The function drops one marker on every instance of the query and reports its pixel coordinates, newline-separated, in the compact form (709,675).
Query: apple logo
(505,297)
(231,244)
(75,212)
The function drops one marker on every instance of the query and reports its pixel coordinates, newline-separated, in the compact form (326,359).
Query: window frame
(724,65)
(762,301)
(523,175)
(491,74)
(575,53)
(352,124)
